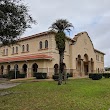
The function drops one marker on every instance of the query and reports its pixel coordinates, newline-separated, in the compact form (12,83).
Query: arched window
(40,44)
(46,44)
(23,48)
(16,49)
(13,50)
(6,51)
(27,47)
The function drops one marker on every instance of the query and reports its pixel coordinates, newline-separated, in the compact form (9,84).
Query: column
(82,67)
(48,75)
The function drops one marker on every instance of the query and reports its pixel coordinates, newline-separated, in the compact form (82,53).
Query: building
(38,53)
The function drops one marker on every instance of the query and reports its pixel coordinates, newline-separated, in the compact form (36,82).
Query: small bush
(56,77)
(106,75)
(40,75)
(5,75)
(95,76)
(22,75)
(69,74)
(12,74)
(90,75)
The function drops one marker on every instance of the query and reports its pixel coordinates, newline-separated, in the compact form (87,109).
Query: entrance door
(86,68)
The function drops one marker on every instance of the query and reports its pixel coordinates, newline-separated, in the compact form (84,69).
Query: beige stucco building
(38,53)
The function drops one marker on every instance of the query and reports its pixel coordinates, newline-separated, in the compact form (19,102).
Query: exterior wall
(99,62)
(33,46)
(82,46)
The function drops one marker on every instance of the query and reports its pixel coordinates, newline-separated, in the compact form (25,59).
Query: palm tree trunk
(61,68)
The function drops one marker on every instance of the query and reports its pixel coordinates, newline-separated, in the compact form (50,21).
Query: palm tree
(61,26)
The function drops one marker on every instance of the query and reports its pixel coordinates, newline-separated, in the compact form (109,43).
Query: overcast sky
(92,16)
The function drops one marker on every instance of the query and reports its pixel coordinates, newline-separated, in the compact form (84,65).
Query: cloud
(92,16)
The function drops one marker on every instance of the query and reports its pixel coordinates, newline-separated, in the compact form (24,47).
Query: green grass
(77,94)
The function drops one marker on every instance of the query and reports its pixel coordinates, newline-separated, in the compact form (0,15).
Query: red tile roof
(41,34)
(25,58)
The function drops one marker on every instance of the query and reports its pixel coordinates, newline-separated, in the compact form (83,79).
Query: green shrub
(95,76)
(106,75)
(23,75)
(12,74)
(40,75)
(90,75)
(69,74)
(5,75)
(56,77)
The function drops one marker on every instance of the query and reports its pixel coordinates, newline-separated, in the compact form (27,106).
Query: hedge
(11,74)
(95,76)
(106,75)
(69,74)
(56,77)
(40,75)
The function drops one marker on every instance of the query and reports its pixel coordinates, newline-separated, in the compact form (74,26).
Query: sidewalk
(14,82)
(8,85)
(34,79)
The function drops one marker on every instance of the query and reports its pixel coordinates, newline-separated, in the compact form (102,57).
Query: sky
(92,16)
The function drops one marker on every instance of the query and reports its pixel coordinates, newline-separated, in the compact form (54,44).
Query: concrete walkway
(4,83)
(8,85)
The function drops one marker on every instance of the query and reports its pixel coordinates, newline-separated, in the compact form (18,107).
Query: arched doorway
(2,68)
(86,68)
(56,69)
(8,68)
(35,67)
(25,68)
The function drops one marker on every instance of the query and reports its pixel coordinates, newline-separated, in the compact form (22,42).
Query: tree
(14,19)
(60,26)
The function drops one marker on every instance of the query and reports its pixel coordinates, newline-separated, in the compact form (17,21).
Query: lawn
(77,94)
